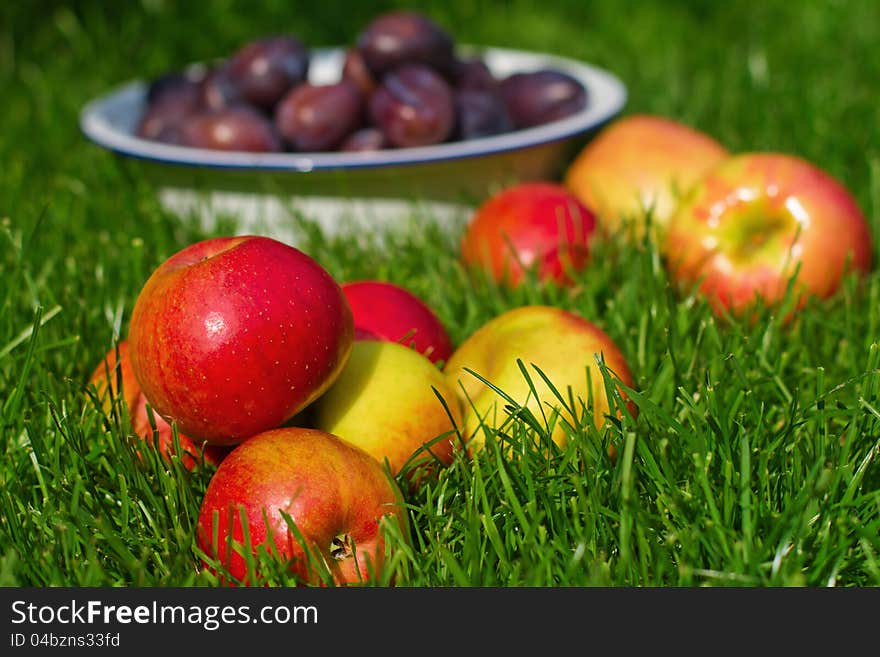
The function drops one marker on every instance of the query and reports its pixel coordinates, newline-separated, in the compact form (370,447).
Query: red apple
(334,493)
(164,435)
(538,225)
(640,162)
(112,372)
(234,335)
(105,379)
(753,220)
(385,311)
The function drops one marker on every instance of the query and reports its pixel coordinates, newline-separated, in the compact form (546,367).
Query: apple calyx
(341,547)
(760,231)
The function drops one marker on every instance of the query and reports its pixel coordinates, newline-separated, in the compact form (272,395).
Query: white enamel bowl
(270,193)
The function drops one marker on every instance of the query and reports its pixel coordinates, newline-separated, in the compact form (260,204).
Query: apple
(385,402)
(232,336)
(384,311)
(640,162)
(115,370)
(532,225)
(334,493)
(753,220)
(163,433)
(562,344)
(106,378)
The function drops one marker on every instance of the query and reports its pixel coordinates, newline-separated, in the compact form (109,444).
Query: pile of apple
(313,398)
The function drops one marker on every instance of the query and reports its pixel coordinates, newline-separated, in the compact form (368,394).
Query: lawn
(755,456)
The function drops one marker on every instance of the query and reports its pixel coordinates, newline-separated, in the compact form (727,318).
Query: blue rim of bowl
(606,96)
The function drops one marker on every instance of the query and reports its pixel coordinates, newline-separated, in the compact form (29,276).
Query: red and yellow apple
(640,162)
(562,344)
(755,221)
(386,311)
(385,402)
(106,378)
(334,493)
(191,450)
(535,225)
(232,336)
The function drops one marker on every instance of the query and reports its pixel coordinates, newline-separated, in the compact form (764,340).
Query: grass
(754,457)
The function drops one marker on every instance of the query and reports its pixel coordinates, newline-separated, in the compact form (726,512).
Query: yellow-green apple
(232,336)
(536,225)
(106,378)
(386,402)
(335,495)
(640,162)
(386,311)
(562,344)
(757,219)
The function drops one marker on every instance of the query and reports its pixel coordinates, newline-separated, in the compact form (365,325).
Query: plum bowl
(271,193)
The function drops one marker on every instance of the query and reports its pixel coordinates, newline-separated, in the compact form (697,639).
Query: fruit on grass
(638,163)
(382,310)
(413,106)
(535,225)
(113,378)
(318,117)
(334,494)
(235,128)
(562,344)
(757,220)
(232,336)
(106,379)
(542,96)
(149,426)
(385,402)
